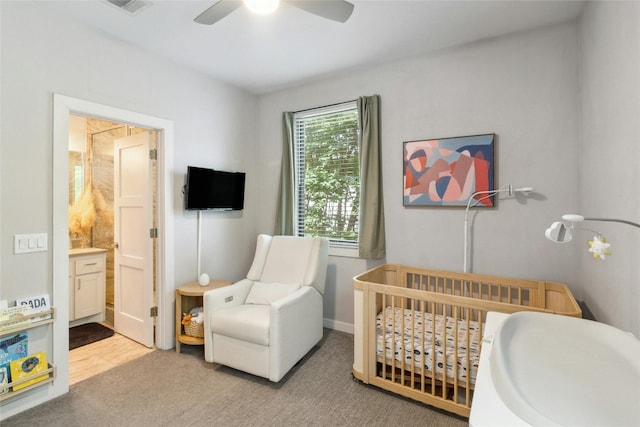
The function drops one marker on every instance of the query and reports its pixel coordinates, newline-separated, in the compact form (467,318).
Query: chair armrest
(306,294)
(218,299)
(227,296)
(295,312)
(295,327)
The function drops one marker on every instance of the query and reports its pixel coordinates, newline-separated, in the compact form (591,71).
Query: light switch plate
(25,243)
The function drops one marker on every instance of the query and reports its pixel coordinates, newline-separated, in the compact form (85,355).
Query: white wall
(610,160)
(524,89)
(43,54)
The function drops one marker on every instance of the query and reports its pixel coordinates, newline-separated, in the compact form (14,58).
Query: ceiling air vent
(129,6)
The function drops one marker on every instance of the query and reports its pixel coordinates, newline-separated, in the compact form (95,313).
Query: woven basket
(194,329)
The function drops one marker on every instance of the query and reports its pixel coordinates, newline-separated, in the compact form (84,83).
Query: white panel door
(133,274)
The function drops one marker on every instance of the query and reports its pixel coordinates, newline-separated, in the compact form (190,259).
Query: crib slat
(402,343)
(384,349)
(445,350)
(422,347)
(455,353)
(467,394)
(412,344)
(393,341)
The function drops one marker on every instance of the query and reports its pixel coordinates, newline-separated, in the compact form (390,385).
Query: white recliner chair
(266,323)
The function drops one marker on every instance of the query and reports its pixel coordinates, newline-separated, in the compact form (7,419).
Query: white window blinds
(327,173)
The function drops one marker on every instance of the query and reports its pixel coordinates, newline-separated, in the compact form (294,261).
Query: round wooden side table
(189,296)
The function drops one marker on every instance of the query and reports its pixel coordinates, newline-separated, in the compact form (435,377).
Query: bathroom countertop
(85,251)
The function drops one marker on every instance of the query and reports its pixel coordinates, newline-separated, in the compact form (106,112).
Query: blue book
(12,348)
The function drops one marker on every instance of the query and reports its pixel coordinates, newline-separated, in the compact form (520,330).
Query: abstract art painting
(447,171)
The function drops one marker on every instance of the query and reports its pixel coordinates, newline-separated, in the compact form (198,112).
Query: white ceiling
(265,53)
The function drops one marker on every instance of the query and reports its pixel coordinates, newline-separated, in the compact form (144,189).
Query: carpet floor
(87,333)
(165,388)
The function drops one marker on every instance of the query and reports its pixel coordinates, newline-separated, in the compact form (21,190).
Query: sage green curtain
(372,232)
(286,194)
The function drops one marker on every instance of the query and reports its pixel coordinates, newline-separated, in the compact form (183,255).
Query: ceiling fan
(335,10)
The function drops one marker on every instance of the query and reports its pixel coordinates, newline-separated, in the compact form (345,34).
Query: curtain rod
(324,106)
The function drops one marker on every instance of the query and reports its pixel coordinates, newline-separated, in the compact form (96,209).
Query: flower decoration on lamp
(599,247)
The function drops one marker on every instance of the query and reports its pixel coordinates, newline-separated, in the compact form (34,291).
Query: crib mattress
(417,342)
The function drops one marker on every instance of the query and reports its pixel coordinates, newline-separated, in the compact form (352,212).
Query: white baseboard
(338,326)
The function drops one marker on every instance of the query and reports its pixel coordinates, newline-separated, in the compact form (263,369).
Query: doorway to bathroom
(112,181)
(63,108)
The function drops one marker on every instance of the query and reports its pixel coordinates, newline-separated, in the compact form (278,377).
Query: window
(327,188)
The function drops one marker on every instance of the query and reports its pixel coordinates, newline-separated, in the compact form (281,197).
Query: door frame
(63,106)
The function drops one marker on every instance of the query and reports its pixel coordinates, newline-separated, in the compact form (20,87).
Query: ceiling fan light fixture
(262,7)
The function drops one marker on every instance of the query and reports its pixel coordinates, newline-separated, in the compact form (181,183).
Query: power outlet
(26,243)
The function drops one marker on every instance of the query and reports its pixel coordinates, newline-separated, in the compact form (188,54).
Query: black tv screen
(209,189)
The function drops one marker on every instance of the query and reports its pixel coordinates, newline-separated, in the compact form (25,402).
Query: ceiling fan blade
(218,11)
(336,10)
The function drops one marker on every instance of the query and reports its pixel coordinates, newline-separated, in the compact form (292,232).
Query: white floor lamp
(203,278)
(473,202)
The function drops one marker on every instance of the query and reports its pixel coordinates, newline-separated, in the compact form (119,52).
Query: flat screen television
(209,189)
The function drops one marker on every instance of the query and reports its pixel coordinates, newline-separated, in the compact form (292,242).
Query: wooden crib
(418,332)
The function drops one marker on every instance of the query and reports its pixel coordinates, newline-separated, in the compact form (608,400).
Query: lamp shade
(558,232)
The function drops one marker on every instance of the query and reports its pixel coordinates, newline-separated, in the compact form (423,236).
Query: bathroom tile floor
(97,357)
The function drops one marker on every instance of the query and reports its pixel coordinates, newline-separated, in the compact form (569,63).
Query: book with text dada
(36,304)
